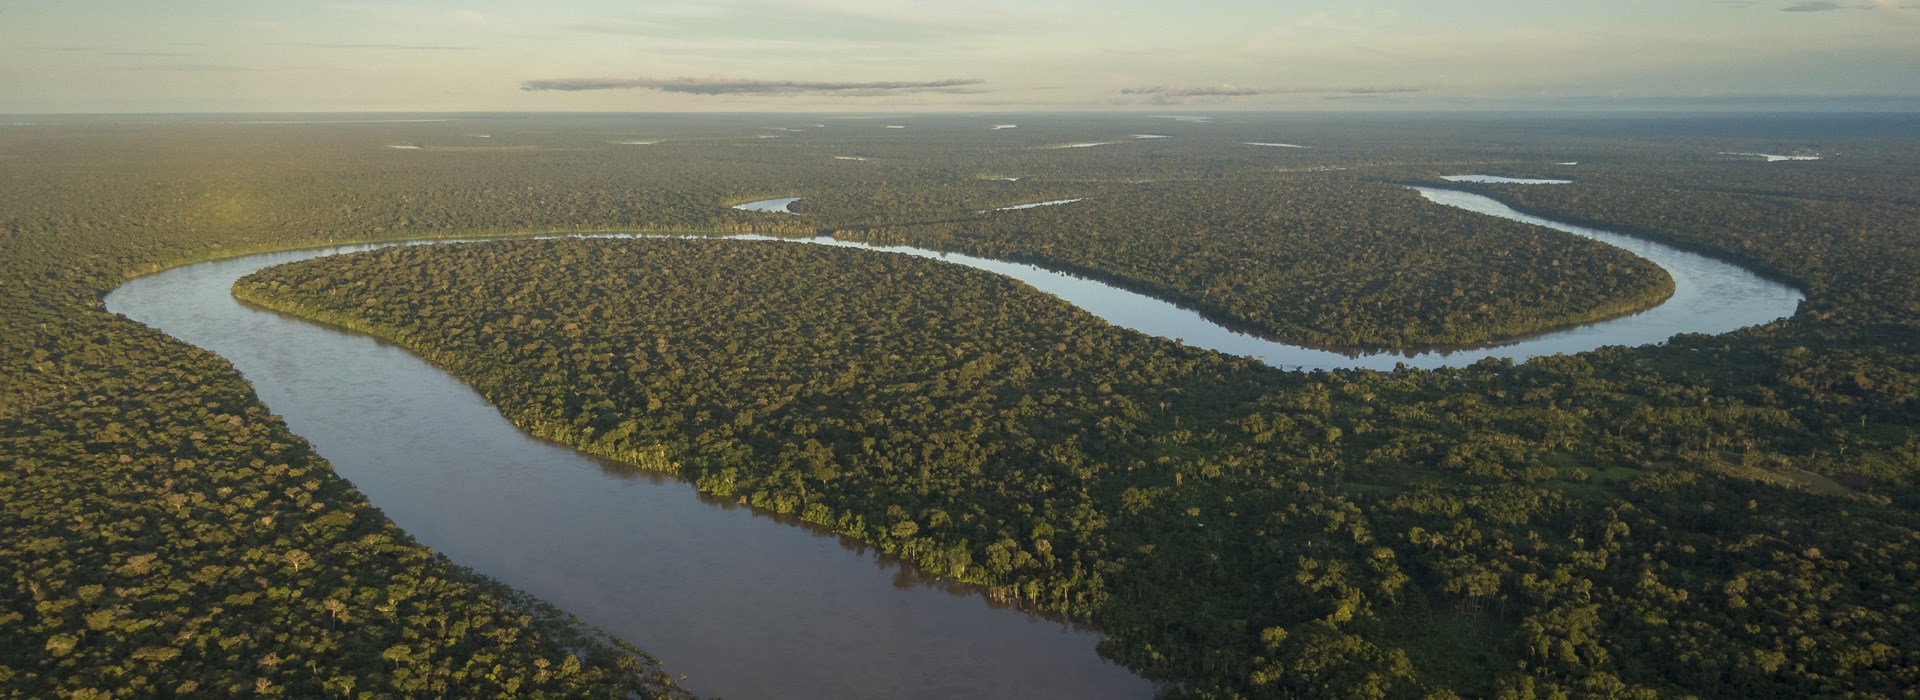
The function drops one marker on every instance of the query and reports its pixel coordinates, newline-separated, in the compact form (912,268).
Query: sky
(114,56)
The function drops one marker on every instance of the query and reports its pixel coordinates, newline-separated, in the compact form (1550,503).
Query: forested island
(1329,262)
(1716,516)
(1233,528)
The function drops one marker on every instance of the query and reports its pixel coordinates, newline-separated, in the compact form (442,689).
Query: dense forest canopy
(1202,509)
(1252,237)
(1323,260)
(1727,516)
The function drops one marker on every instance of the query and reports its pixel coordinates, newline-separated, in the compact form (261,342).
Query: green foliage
(1729,516)
(1323,261)
(1198,507)
(187,543)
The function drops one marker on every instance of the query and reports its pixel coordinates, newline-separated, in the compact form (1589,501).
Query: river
(744,606)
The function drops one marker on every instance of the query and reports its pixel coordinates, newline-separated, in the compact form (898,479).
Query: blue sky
(953,55)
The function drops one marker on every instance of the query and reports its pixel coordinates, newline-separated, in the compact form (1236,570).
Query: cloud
(1222,90)
(389,47)
(195,68)
(741,86)
(1814,6)
(1778,101)
(1185,94)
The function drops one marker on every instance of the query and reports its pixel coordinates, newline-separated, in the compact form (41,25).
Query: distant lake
(777,206)
(1496,179)
(1771,157)
(1030,205)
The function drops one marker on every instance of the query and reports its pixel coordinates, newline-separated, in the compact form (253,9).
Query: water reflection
(747,610)
(775,206)
(1499,179)
(1710,296)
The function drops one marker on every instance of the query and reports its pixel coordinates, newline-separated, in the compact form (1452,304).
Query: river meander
(745,606)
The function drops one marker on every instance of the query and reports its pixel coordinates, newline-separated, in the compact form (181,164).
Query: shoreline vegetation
(1224,318)
(749,446)
(1347,266)
(1681,522)
(1648,294)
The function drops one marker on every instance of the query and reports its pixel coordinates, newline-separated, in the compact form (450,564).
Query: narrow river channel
(745,606)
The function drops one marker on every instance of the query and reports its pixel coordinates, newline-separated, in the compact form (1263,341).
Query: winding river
(745,608)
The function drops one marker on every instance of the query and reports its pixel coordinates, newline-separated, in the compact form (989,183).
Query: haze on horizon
(94,56)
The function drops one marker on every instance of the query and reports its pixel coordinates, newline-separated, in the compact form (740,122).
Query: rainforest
(1726,514)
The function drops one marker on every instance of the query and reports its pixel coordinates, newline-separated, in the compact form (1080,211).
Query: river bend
(747,608)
